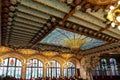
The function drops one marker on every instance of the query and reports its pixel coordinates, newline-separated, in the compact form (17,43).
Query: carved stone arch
(59,59)
(39,57)
(14,55)
(75,61)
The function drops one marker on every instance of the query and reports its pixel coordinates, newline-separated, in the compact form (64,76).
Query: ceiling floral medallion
(74,43)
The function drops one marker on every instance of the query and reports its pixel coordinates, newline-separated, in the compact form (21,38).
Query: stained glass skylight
(69,39)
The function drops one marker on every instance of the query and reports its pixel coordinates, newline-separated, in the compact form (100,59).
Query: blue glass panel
(59,36)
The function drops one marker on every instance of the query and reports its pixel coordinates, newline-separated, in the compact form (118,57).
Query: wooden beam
(72,12)
(103,29)
(40,38)
(69,14)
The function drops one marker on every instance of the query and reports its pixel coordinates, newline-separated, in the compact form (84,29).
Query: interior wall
(43,58)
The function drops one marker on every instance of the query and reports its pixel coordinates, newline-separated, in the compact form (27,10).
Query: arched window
(53,69)
(11,67)
(71,69)
(104,67)
(113,66)
(34,69)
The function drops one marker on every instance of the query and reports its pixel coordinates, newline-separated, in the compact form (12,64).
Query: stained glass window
(71,69)
(53,69)
(34,69)
(107,67)
(11,67)
(113,66)
(69,39)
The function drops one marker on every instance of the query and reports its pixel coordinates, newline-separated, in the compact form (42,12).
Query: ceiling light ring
(114,16)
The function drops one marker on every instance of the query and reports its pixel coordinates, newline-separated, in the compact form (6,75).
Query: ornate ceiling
(48,24)
(71,40)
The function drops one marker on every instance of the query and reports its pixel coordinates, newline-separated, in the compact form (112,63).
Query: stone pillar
(83,72)
(61,71)
(45,71)
(67,71)
(24,70)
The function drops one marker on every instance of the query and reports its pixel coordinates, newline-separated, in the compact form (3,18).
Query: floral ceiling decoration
(71,40)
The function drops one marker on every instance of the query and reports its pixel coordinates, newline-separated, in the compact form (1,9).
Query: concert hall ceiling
(65,26)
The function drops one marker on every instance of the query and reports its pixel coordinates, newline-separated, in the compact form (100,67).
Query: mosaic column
(44,71)
(24,70)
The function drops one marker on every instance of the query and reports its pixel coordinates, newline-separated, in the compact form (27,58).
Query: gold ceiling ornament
(74,43)
(49,53)
(66,55)
(27,51)
(5,49)
(102,2)
(114,15)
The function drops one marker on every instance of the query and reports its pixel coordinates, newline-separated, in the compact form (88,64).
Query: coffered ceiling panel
(53,24)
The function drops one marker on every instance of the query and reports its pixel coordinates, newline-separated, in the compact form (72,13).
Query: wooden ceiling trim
(15,43)
(78,32)
(92,27)
(63,7)
(95,14)
(22,18)
(18,27)
(27,14)
(19,35)
(83,23)
(89,21)
(69,15)
(106,28)
(40,38)
(114,30)
(29,22)
(24,31)
(114,35)
(103,29)
(19,39)
(51,12)
(23,26)
(83,33)
(33,10)
(21,32)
